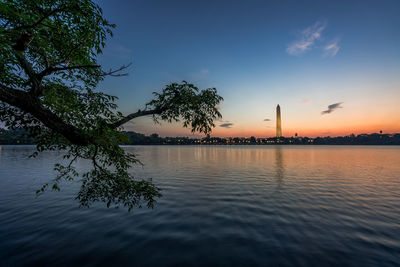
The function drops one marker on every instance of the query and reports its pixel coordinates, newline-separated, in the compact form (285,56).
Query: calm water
(225,206)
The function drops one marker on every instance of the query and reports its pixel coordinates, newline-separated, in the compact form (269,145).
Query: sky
(332,66)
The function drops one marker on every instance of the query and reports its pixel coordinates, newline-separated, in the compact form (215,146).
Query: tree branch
(30,104)
(19,48)
(114,73)
(22,43)
(42,53)
(50,70)
(131,116)
(27,67)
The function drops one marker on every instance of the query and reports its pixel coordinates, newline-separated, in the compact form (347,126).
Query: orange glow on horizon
(313,127)
(269,132)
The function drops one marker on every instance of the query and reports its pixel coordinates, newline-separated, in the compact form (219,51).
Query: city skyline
(333,66)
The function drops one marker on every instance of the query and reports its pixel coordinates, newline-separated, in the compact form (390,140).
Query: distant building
(278,122)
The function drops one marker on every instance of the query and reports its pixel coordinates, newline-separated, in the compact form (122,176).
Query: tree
(48,78)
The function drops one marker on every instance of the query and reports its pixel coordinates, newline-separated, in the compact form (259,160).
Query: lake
(221,206)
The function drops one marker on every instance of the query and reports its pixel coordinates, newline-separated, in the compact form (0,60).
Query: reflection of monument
(279,166)
(278,122)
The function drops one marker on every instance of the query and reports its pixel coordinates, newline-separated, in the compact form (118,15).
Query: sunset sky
(333,66)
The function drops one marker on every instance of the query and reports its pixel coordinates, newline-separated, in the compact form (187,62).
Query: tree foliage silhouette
(48,78)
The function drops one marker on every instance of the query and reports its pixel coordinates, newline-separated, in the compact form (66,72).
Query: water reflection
(225,206)
(279,168)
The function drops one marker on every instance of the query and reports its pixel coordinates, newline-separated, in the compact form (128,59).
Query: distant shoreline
(198,145)
(19,137)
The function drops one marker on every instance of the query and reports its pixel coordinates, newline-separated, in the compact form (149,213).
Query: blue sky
(304,55)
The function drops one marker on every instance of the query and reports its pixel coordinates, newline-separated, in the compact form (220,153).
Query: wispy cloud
(122,49)
(331,49)
(226,125)
(267,120)
(305,101)
(118,50)
(332,108)
(307,39)
(204,71)
(199,75)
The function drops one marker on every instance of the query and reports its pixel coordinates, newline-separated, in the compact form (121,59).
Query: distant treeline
(8,137)
(14,137)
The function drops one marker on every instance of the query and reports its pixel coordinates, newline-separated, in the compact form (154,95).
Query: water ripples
(221,206)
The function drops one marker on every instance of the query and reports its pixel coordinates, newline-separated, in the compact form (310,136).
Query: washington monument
(278,122)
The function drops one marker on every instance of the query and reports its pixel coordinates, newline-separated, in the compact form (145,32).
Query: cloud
(199,75)
(204,71)
(267,120)
(305,101)
(226,125)
(118,50)
(332,108)
(307,39)
(331,49)
(122,49)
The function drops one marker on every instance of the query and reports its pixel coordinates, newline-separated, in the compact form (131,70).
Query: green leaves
(48,79)
(65,33)
(197,109)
